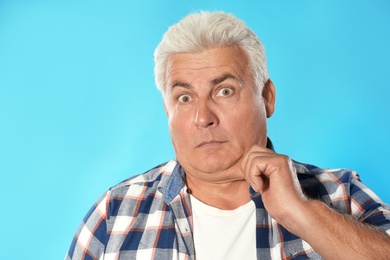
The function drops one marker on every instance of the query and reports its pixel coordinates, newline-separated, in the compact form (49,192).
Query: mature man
(228,195)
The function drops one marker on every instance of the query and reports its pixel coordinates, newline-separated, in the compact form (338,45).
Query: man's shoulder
(152,181)
(319,182)
(331,185)
(307,171)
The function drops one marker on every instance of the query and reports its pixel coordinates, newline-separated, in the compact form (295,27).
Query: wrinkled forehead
(211,65)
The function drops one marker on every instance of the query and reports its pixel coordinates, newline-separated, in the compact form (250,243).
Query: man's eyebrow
(213,82)
(224,77)
(180,84)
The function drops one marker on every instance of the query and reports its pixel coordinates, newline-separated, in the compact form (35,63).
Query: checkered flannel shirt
(149,216)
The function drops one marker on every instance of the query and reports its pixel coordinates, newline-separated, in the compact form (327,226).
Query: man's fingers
(254,176)
(255,151)
(260,163)
(255,170)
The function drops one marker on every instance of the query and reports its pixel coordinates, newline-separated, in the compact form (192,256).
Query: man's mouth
(210,143)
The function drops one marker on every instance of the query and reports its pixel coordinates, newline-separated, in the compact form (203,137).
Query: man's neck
(222,195)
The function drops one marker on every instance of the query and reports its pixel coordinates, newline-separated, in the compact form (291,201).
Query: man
(228,195)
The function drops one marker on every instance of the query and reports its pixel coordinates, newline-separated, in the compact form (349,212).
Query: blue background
(79,110)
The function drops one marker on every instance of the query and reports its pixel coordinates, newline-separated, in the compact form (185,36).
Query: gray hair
(205,30)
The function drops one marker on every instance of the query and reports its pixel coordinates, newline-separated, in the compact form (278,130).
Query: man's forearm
(337,236)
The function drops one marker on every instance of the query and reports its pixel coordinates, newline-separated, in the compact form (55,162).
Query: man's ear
(269,96)
(165,108)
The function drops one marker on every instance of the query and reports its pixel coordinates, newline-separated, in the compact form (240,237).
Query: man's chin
(223,168)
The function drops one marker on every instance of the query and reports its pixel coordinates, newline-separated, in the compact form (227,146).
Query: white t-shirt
(224,234)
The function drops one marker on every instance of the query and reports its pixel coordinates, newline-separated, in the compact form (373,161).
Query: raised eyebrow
(224,77)
(180,84)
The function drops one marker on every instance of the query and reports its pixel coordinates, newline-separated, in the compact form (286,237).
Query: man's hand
(274,176)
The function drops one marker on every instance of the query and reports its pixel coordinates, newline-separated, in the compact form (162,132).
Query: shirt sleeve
(90,238)
(367,207)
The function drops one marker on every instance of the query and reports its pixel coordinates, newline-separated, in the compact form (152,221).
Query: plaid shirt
(149,216)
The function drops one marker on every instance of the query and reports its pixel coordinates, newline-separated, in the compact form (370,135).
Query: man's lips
(210,143)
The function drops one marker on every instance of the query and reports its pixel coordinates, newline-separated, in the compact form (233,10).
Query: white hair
(205,30)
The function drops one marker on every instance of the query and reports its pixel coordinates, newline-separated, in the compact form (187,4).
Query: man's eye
(184,98)
(225,92)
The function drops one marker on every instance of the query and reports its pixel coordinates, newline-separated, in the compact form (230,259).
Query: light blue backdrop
(79,110)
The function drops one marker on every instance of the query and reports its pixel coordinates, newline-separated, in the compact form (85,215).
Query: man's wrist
(303,218)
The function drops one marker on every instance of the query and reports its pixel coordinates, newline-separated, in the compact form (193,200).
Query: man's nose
(205,116)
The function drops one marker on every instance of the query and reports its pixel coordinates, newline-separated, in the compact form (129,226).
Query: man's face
(214,111)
